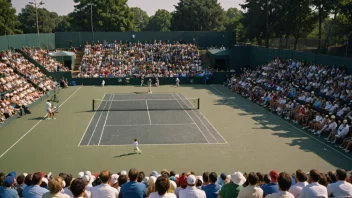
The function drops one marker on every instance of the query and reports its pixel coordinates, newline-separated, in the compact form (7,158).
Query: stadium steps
(205,58)
(78,61)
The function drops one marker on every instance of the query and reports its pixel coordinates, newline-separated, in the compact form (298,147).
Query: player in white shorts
(177,82)
(135,145)
(142,80)
(103,83)
(150,85)
(49,111)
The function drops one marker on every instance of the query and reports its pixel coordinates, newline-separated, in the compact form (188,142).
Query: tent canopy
(63,53)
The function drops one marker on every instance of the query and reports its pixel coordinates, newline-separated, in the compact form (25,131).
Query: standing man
(177,82)
(136,148)
(142,80)
(157,82)
(150,85)
(49,111)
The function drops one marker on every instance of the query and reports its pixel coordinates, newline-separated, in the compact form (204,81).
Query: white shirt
(280,194)
(167,195)
(48,105)
(332,126)
(192,192)
(297,188)
(135,144)
(251,191)
(314,190)
(343,130)
(104,191)
(340,189)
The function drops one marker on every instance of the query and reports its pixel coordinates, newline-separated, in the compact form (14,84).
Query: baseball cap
(86,178)
(123,172)
(155,174)
(9,180)
(191,180)
(80,174)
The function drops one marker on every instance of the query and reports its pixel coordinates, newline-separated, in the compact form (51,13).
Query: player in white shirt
(177,82)
(49,111)
(103,83)
(157,82)
(150,85)
(136,148)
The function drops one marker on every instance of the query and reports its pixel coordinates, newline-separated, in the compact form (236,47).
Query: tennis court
(158,118)
(253,138)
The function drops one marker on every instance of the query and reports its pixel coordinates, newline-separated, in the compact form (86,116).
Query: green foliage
(141,19)
(198,15)
(233,23)
(8,20)
(47,21)
(112,15)
(161,21)
(64,24)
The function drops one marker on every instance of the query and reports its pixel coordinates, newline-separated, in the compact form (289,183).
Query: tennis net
(145,104)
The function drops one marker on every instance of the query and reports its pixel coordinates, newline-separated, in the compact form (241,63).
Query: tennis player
(49,111)
(177,82)
(150,85)
(157,82)
(135,145)
(103,83)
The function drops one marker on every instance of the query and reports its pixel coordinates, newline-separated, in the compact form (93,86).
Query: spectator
(341,188)
(104,190)
(55,188)
(20,185)
(271,187)
(162,186)
(301,179)
(221,179)
(314,189)
(7,190)
(35,191)
(133,188)
(206,178)
(323,180)
(251,190)
(191,191)
(212,189)
(233,188)
(122,180)
(114,181)
(284,185)
(78,188)
(151,185)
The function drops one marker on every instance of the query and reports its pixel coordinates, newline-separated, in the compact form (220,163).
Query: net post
(198,103)
(93,104)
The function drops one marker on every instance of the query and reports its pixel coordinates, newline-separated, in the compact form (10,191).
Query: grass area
(257,140)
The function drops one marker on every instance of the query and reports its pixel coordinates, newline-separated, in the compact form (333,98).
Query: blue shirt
(33,191)
(211,190)
(270,188)
(133,189)
(8,192)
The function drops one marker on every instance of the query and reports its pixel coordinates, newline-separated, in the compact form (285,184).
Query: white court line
(299,130)
(191,119)
(150,125)
(102,130)
(90,122)
(97,123)
(198,118)
(37,124)
(180,144)
(150,121)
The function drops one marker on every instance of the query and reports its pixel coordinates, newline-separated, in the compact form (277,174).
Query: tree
(47,21)
(161,21)
(233,23)
(198,15)
(141,19)
(8,20)
(64,24)
(112,15)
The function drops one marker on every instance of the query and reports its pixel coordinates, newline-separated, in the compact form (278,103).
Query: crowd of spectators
(42,57)
(135,59)
(315,96)
(168,184)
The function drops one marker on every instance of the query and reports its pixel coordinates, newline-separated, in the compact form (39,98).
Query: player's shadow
(125,155)
(37,118)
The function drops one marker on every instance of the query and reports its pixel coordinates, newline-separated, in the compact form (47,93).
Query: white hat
(345,121)
(25,174)
(145,180)
(45,180)
(191,180)
(123,172)
(200,178)
(86,178)
(88,173)
(63,183)
(155,174)
(80,174)
(238,178)
(152,178)
(114,178)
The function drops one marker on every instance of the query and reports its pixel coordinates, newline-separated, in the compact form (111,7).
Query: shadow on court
(37,118)
(124,155)
(265,120)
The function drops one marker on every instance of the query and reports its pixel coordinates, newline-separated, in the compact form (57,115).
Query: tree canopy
(141,19)
(161,21)
(8,20)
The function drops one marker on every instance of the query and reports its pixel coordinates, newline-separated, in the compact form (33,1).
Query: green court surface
(254,139)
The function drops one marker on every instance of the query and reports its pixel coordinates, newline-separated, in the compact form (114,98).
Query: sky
(63,7)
